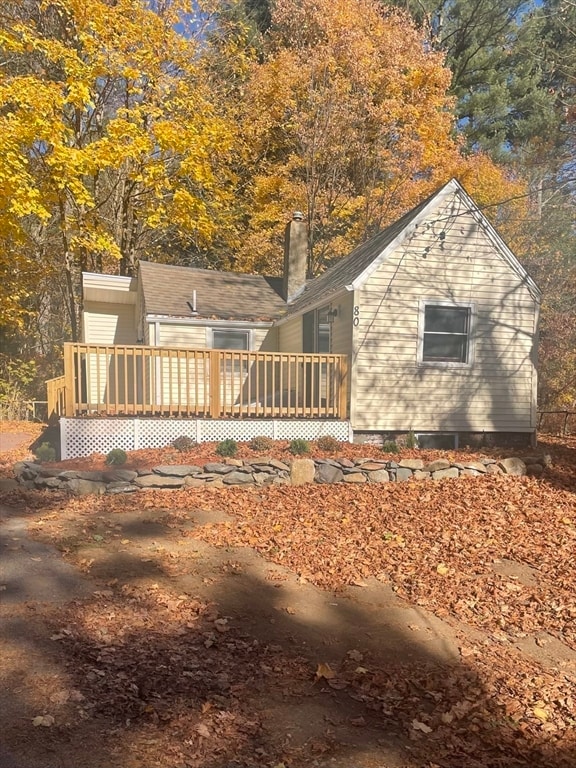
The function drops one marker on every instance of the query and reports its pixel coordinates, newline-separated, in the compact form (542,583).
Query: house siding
(290,335)
(108,323)
(495,392)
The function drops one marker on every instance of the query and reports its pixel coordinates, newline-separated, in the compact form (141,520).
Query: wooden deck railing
(55,395)
(208,383)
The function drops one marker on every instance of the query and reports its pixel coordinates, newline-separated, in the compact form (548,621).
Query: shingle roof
(346,271)
(167,290)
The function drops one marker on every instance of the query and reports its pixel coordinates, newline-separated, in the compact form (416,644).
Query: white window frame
(471,324)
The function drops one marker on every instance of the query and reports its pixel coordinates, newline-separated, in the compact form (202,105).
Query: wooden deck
(198,383)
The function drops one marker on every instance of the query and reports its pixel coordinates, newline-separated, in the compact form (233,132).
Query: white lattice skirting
(81,437)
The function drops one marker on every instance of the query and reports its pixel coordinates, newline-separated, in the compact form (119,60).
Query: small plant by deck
(261,443)
(45,452)
(184,443)
(389,447)
(328,444)
(116,456)
(227,447)
(298,446)
(411,440)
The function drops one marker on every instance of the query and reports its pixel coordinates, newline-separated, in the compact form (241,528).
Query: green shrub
(261,443)
(411,440)
(389,447)
(184,443)
(328,444)
(299,446)
(116,456)
(45,452)
(227,447)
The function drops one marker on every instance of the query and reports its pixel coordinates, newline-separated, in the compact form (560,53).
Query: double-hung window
(446,334)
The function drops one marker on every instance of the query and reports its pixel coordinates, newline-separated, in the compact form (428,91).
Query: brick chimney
(295,257)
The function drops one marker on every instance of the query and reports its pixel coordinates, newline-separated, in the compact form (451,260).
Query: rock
(263,478)
(94,476)
(379,476)
(478,466)
(177,470)
(81,487)
(512,466)
(48,482)
(468,472)
(411,463)
(217,468)
(437,465)
(237,478)
(234,462)
(283,481)
(159,481)
(48,472)
(120,487)
(27,470)
(534,470)
(402,474)
(493,469)
(192,481)
(279,465)
(326,473)
(420,475)
(332,462)
(355,477)
(119,475)
(347,463)
(440,474)
(302,471)
(372,466)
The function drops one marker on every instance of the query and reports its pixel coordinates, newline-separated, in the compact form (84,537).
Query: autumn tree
(348,119)
(110,145)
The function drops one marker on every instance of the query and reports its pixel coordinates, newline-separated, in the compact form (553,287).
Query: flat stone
(159,481)
(193,481)
(372,466)
(119,475)
(177,470)
(302,472)
(440,474)
(534,470)
(237,478)
(477,465)
(331,462)
(263,478)
(355,477)
(218,468)
(402,474)
(326,473)
(234,462)
(434,466)
(48,472)
(82,487)
(279,465)
(49,482)
(411,463)
(512,466)
(379,476)
(420,475)
(215,481)
(282,481)
(493,469)
(468,472)
(120,487)
(94,475)
(347,463)
(26,469)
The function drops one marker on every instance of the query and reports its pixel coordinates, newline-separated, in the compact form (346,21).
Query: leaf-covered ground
(419,624)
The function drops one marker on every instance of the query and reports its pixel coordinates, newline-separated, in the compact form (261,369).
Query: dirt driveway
(134,642)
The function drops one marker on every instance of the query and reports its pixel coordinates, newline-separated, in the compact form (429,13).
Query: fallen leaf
(419,726)
(540,713)
(325,671)
(44,720)
(442,569)
(355,655)
(202,730)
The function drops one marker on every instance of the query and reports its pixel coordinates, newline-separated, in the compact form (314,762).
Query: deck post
(343,389)
(69,380)
(214,383)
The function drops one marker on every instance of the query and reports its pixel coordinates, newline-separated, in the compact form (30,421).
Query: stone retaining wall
(266,471)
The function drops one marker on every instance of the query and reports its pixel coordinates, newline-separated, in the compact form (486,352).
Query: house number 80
(356,320)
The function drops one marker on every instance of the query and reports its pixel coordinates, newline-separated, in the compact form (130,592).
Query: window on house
(446,337)
(230,338)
